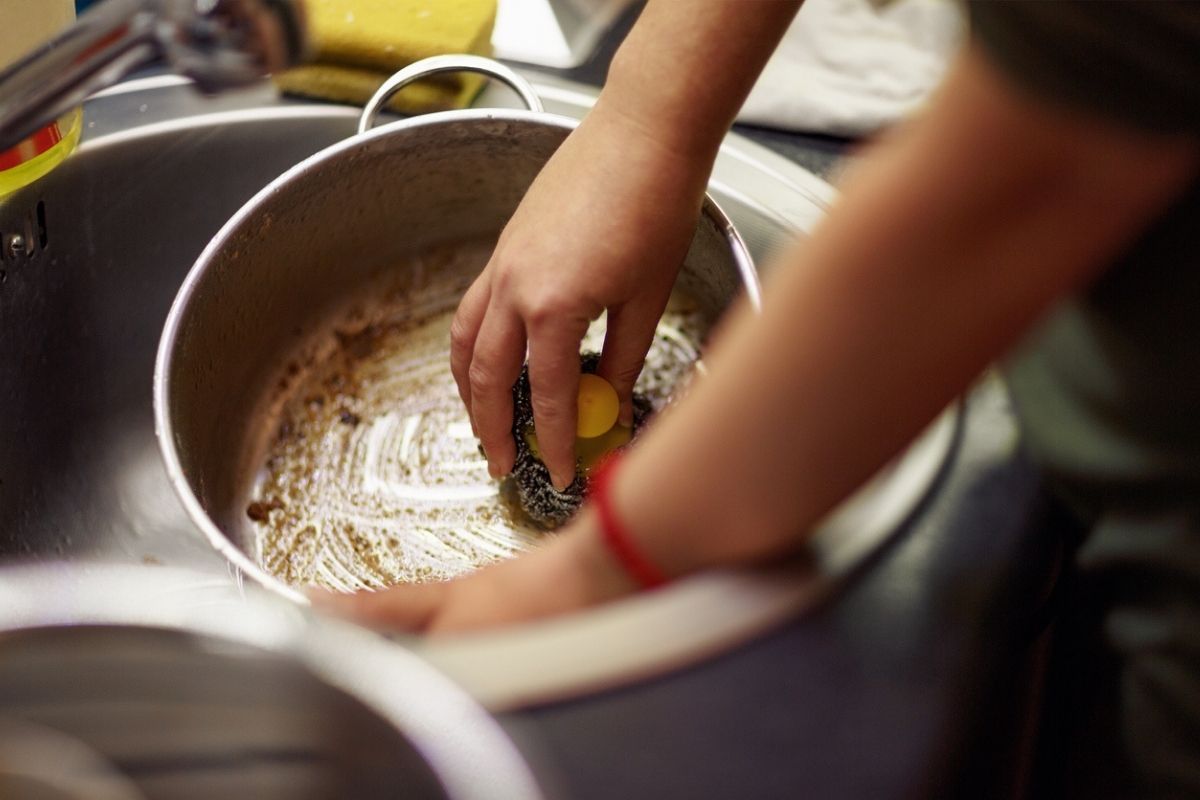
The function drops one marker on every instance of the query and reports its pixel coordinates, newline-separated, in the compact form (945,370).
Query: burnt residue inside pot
(374,477)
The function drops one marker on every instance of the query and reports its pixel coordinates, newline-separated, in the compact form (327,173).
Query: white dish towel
(850,67)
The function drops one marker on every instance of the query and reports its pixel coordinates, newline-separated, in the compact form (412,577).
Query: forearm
(687,65)
(963,230)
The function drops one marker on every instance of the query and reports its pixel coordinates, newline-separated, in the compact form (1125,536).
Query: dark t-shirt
(1108,388)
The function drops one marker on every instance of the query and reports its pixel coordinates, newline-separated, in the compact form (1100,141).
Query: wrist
(605,577)
(659,121)
(615,534)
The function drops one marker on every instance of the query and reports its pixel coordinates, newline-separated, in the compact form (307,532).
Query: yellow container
(26,25)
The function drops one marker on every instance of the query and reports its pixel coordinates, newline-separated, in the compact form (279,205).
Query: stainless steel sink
(92,257)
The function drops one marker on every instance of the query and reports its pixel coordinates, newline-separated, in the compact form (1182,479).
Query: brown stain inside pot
(374,477)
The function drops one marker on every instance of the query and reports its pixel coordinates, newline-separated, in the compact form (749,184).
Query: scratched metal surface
(374,477)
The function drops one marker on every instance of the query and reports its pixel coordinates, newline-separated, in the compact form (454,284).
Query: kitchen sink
(93,256)
(90,260)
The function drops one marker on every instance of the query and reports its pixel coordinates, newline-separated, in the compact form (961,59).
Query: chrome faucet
(218,43)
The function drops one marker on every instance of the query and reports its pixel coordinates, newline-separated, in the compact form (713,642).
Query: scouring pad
(359,43)
(538,498)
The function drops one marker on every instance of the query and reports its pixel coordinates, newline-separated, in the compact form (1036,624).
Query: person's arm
(607,223)
(942,253)
(947,245)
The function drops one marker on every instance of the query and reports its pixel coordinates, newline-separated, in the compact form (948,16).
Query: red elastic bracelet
(616,536)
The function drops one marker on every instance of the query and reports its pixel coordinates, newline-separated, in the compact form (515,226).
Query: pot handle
(448,63)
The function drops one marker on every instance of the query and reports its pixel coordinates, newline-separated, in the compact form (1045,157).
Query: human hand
(605,226)
(571,572)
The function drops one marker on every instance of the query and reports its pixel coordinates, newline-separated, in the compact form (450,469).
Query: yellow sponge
(359,43)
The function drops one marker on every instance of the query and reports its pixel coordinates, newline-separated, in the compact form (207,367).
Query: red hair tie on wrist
(616,535)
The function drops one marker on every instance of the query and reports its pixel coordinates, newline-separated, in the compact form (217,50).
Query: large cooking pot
(313,243)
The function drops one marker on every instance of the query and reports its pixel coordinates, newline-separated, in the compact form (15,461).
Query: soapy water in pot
(374,477)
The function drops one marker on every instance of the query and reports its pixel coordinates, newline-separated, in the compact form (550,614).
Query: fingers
(628,337)
(409,607)
(464,330)
(554,388)
(495,367)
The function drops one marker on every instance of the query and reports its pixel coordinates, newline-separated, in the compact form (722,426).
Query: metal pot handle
(448,63)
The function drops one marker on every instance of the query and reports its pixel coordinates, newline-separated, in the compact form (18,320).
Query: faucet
(218,43)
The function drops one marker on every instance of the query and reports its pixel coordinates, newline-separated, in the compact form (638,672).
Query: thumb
(409,607)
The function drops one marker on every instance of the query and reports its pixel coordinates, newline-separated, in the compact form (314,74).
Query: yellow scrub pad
(359,43)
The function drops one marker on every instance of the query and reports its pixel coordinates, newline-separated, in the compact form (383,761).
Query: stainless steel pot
(124,682)
(320,234)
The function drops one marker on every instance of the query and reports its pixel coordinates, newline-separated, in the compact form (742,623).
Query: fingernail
(560,483)
(494,471)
